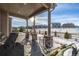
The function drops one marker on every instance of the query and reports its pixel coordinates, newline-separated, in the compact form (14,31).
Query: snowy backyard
(57,41)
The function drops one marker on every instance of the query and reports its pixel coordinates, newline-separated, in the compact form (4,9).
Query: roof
(25,10)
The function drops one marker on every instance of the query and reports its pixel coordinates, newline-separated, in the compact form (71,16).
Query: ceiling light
(25,3)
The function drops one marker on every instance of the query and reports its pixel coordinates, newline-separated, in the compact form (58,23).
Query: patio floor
(36,51)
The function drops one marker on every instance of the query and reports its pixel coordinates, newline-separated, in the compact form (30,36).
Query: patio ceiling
(25,10)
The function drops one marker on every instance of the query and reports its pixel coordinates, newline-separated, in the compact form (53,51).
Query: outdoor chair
(10,40)
(12,48)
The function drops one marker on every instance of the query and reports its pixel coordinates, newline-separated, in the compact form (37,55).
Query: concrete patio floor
(35,51)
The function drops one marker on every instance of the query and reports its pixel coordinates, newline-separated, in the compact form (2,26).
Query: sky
(63,13)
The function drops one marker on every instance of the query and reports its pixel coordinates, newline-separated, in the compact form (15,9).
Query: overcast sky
(63,13)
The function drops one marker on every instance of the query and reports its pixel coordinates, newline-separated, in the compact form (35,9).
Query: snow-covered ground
(61,31)
(70,30)
(65,41)
(57,41)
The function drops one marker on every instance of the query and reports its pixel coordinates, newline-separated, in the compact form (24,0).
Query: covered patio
(25,11)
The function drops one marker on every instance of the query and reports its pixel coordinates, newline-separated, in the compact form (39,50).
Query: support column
(27,24)
(49,23)
(34,25)
(27,33)
(4,18)
(34,34)
(47,38)
(10,24)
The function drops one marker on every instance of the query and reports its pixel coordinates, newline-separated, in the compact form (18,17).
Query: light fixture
(25,3)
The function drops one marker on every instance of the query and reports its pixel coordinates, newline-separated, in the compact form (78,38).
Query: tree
(21,29)
(67,35)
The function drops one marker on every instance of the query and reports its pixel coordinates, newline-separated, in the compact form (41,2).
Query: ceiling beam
(43,4)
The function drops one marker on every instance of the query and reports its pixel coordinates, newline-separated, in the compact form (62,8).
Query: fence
(61,34)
